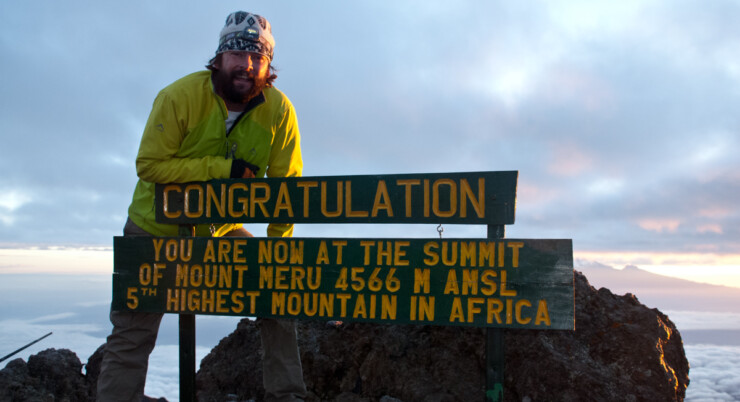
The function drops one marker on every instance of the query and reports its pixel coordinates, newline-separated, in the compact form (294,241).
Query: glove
(239,166)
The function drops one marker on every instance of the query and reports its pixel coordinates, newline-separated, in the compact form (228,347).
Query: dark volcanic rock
(620,351)
(53,375)
(50,375)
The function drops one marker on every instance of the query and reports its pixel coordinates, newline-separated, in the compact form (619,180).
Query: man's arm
(162,138)
(285,160)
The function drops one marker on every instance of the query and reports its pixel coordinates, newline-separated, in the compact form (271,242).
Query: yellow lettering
(296,278)
(326,305)
(310,306)
(451,286)
(487,252)
(467,254)
(339,245)
(166,201)
(452,197)
(241,200)
(181,276)
(519,305)
(322,256)
(466,194)
(503,291)
(324,210)
(457,311)
(515,246)
(343,297)
(196,275)
(389,304)
(157,247)
(495,307)
(473,308)
(432,256)
(407,184)
(294,303)
(221,301)
(280,278)
(236,299)
(360,308)
(543,316)
(252,300)
(283,201)
(265,252)
(278,303)
(255,201)
(199,198)
(398,253)
(489,288)
(265,277)
(382,200)
(426,308)
(209,255)
(145,274)
(449,258)
(421,280)
(306,185)
(470,281)
(239,245)
(240,278)
(212,196)
(314,281)
(348,202)
(172,299)
(224,248)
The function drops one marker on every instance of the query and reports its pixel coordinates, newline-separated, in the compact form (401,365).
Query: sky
(621,117)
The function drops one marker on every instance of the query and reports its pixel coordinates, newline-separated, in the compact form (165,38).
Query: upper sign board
(453,198)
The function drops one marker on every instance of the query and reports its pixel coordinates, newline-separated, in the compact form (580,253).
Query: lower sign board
(510,283)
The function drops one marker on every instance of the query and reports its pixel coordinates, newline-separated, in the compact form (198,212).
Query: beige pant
(126,358)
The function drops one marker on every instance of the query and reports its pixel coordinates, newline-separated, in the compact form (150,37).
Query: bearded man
(225,122)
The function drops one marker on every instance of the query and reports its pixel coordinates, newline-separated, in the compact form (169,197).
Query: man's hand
(241,169)
(248,174)
(239,232)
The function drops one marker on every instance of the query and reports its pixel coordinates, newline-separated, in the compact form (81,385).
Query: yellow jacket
(185,140)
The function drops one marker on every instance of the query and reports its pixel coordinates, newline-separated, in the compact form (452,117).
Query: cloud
(713,373)
(689,320)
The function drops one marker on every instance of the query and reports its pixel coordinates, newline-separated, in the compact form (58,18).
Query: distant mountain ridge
(663,292)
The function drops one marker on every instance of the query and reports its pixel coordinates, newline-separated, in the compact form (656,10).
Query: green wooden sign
(464,282)
(454,198)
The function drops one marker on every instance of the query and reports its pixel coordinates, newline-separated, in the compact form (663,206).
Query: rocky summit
(620,351)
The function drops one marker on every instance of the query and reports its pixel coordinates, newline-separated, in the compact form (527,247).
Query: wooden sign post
(493,283)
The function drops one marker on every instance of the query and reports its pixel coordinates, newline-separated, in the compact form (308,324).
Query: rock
(50,375)
(620,351)
(53,376)
(92,370)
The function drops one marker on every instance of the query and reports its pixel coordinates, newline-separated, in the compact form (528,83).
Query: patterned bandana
(246,32)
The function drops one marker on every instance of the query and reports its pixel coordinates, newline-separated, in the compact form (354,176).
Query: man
(228,122)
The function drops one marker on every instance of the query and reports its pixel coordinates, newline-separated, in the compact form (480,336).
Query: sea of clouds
(75,309)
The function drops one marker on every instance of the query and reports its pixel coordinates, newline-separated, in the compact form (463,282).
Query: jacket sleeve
(285,159)
(163,135)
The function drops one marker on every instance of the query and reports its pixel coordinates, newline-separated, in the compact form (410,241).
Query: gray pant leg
(281,364)
(127,349)
(126,359)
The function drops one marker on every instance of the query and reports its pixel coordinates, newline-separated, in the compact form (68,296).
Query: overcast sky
(621,117)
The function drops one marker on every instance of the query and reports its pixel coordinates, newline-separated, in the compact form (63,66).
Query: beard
(225,85)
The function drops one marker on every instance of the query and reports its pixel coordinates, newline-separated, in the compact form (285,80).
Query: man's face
(240,75)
